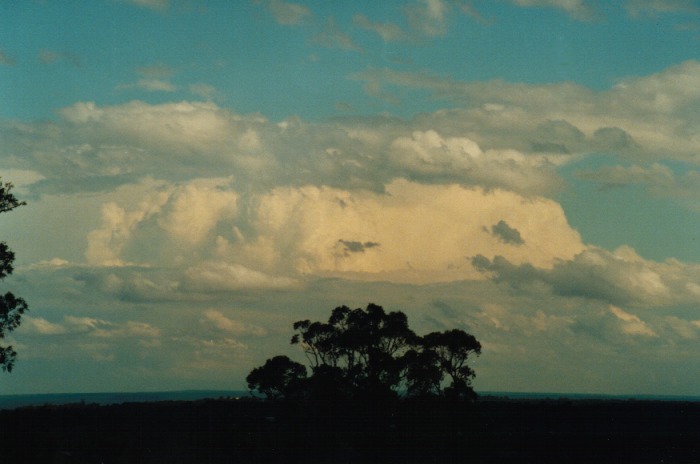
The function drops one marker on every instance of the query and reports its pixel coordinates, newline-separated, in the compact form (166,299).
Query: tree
(278,378)
(363,347)
(369,354)
(11,307)
(452,349)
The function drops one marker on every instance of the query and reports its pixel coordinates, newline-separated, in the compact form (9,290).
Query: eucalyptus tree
(11,306)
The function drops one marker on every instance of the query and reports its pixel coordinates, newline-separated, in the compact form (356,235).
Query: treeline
(421,431)
(369,355)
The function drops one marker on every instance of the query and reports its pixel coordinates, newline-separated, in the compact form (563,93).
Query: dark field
(247,431)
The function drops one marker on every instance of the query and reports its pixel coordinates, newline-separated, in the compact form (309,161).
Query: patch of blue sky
(657,227)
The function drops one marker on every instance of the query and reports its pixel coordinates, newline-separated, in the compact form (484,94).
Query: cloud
(632,324)
(333,36)
(645,117)
(389,32)
(156,71)
(222,276)
(291,232)
(578,9)
(427,155)
(657,179)
(314,230)
(6,59)
(620,278)
(287,13)
(428,17)
(205,91)
(651,8)
(72,325)
(50,56)
(194,210)
(356,247)
(154,79)
(219,321)
(507,234)
(95,147)
(158,5)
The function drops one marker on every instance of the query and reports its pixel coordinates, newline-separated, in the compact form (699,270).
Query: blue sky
(201,174)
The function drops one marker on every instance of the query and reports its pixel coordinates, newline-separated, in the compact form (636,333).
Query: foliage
(11,307)
(369,354)
(279,377)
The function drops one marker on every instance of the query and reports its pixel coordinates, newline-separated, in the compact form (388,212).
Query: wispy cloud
(428,17)
(6,59)
(158,5)
(154,79)
(577,9)
(641,8)
(389,32)
(287,13)
(332,36)
(50,56)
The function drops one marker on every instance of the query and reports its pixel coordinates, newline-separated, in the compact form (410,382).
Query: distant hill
(16,401)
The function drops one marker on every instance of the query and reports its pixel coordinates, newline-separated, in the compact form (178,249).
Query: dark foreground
(245,431)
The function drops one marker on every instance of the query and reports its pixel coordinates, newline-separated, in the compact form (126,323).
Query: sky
(201,174)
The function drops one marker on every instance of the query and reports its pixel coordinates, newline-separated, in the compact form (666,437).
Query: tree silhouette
(452,349)
(278,378)
(11,307)
(369,354)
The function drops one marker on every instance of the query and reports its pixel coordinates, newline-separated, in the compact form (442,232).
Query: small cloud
(158,71)
(41,326)
(155,85)
(631,324)
(333,37)
(344,106)
(506,234)
(581,10)
(220,276)
(205,91)
(289,14)
(428,17)
(156,5)
(51,57)
(357,247)
(6,60)
(652,8)
(219,321)
(389,32)
(154,79)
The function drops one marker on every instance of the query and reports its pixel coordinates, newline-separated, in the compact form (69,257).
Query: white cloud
(205,91)
(428,17)
(72,325)
(332,36)
(637,8)
(632,324)
(648,117)
(288,13)
(428,155)
(159,5)
(305,231)
(389,32)
(225,324)
(195,209)
(621,278)
(155,85)
(222,276)
(578,9)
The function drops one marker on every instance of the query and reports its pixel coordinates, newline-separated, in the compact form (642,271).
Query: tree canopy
(11,307)
(369,353)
